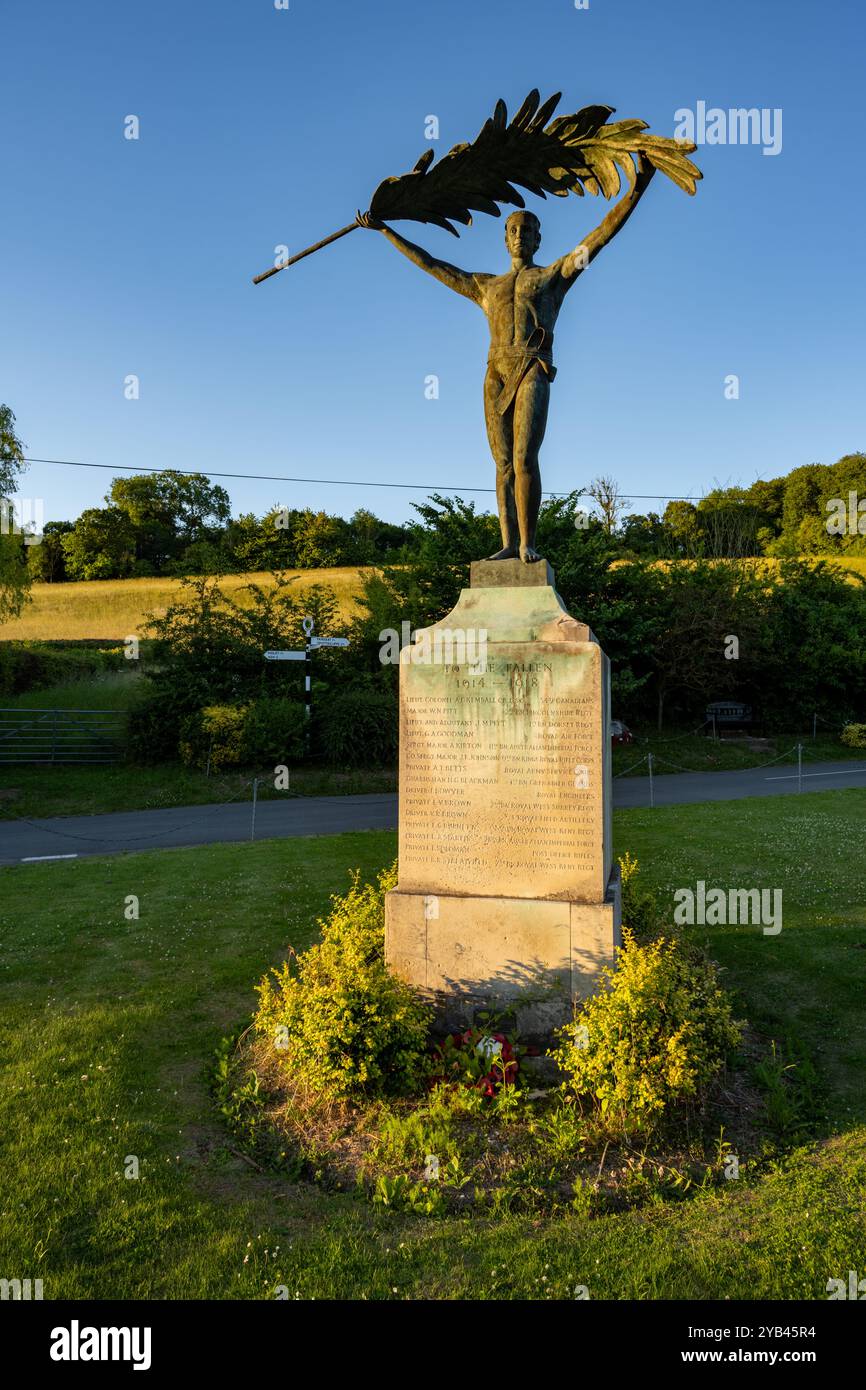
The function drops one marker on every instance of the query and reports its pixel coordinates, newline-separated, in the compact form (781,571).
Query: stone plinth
(505,882)
(474,952)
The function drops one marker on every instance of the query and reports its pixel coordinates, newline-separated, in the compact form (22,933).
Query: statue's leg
(530,422)
(500,435)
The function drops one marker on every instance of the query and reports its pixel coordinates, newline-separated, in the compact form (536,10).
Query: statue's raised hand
(366,219)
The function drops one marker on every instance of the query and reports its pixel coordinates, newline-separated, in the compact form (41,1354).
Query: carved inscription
(501,776)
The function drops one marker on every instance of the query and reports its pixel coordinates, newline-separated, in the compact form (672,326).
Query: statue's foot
(508,552)
(528,555)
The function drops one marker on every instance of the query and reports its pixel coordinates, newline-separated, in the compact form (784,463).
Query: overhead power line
(334,482)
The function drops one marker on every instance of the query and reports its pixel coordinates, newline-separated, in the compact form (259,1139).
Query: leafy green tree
(375,541)
(101,545)
(812,646)
(443,543)
(683,528)
(186,505)
(643,535)
(168,512)
(804,489)
(699,605)
(11,453)
(323,541)
(209,650)
(48,560)
(15,573)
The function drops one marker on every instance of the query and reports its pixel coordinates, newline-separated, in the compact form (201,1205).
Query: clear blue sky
(261,126)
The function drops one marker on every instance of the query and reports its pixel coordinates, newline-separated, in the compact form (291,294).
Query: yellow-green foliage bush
(655,1034)
(854,735)
(639,911)
(215,734)
(339,1022)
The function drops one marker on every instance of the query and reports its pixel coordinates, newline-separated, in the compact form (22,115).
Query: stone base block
(529,957)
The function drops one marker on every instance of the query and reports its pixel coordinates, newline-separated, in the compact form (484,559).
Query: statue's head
(522,234)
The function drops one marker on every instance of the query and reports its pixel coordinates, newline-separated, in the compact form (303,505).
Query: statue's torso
(520,302)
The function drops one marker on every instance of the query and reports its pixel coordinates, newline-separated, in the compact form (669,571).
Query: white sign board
(285,656)
(329,641)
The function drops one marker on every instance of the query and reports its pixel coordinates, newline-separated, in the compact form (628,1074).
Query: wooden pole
(335,236)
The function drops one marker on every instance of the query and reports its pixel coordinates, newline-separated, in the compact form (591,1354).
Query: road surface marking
(792,776)
(40,858)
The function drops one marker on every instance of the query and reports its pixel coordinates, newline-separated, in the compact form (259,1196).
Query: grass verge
(110,1025)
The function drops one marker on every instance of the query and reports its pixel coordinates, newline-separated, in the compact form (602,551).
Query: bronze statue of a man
(522,307)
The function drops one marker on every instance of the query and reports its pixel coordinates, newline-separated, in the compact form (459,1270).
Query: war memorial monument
(508,893)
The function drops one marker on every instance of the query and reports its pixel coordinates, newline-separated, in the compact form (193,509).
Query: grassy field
(114,690)
(116,608)
(109,1026)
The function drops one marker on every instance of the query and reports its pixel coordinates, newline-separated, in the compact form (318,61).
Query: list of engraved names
(501,780)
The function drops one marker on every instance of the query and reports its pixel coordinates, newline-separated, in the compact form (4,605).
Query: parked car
(620,733)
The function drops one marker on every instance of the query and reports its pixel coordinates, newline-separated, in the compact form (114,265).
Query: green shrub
(152,728)
(214,736)
(854,735)
(358,727)
(26,666)
(338,1021)
(639,911)
(274,732)
(654,1036)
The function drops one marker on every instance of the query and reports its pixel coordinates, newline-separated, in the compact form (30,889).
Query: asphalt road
(78,836)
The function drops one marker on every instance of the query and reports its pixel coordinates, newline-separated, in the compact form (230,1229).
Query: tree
(209,649)
(323,541)
(682,527)
(168,512)
(729,525)
(605,492)
(374,539)
(449,536)
(700,604)
(812,653)
(643,535)
(188,505)
(48,560)
(15,574)
(101,545)
(804,488)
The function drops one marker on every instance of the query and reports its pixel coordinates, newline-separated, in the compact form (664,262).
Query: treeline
(800,648)
(819,509)
(168,523)
(171,523)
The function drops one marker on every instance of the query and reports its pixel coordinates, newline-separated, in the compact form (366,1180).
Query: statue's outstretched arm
(462,281)
(578,259)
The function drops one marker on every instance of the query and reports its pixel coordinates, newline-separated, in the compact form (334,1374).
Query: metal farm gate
(62,736)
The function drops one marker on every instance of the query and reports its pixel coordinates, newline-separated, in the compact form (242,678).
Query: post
(652,794)
(255,797)
(814,726)
(799,767)
(308,638)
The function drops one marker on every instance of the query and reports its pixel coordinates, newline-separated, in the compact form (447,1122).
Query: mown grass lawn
(108,1026)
